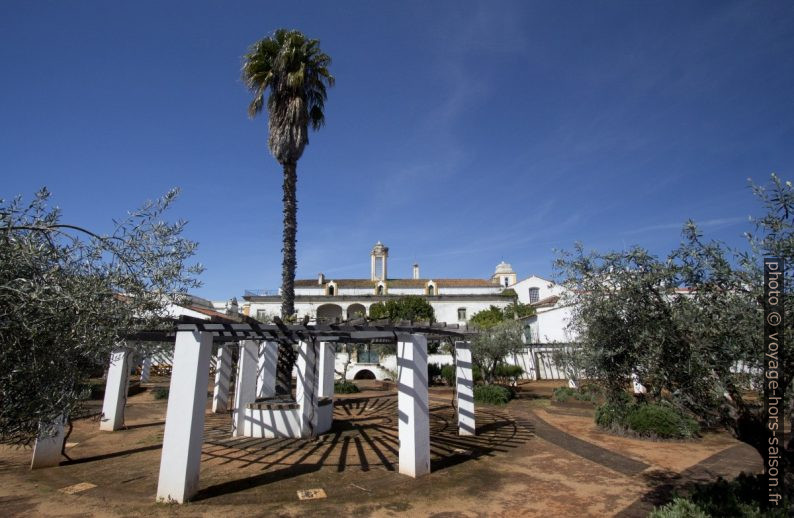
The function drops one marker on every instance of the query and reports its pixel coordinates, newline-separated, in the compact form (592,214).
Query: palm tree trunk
(286,357)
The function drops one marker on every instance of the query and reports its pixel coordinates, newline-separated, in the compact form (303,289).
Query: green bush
(492,394)
(645,419)
(657,420)
(433,373)
(160,393)
(345,387)
(679,508)
(563,394)
(739,498)
(448,374)
(611,414)
(508,373)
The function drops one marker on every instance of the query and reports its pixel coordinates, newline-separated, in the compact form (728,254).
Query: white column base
(325,385)
(267,367)
(464,382)
(638,387)
(245,389)
(305,390)
(180,461)
(223,378)
(146,367)
(412,403)
(116,388)
(47,449)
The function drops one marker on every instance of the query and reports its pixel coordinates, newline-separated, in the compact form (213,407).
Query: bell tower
(379,256)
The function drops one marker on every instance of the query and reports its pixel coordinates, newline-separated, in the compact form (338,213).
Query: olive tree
(492,345)
(69,296)
(689,325)
(410,307)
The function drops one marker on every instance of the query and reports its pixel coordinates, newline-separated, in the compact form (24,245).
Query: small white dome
(503,267)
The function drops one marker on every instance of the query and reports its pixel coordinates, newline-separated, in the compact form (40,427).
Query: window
(461,314)
(507,281)
(379,290)
(534,295)
(330,290)
(261,315)
(430,290)
(365,355)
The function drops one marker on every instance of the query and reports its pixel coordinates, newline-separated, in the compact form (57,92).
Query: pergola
(254,415)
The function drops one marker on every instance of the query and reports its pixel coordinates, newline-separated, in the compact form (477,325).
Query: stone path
(607,458)
(726,464)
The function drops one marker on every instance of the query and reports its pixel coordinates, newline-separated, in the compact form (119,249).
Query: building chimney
(416,271)
(321,279)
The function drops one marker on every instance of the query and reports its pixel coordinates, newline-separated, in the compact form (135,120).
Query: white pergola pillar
(412,404)
(48,446)
(146,367)
(184,423)
(325,385)
(464,384)
(223,379)
(245,388)
(638,387)
(116,388)
(306,388)
(267,368)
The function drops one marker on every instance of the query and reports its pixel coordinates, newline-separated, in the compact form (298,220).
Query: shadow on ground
(363,438)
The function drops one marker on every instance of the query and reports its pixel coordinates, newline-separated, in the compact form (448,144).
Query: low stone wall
(271,418)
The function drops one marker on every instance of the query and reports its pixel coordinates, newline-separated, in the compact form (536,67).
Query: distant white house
(328,299)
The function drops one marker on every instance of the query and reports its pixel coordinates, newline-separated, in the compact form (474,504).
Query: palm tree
(295,70)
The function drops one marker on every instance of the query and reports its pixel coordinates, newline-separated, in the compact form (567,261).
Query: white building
(326,299)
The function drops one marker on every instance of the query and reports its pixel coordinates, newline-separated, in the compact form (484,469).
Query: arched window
(506,281)
(430,290)
(331,290)
(534,295)
(379,290)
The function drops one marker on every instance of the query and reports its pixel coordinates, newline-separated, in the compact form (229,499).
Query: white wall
(546,288)
(550,326)
(445,311)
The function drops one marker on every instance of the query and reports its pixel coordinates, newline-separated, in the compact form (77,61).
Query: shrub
(508,373)
(679,508)
(563,394)
(448,374)
(160,393)
(612,414)
(433,372)
(656,420)
(410,307)
(645,419)
(492,394)
(345,387)
(740,497)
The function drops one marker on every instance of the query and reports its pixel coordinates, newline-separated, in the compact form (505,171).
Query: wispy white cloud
(709,223)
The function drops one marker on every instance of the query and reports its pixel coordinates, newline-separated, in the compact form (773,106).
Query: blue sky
(459,133)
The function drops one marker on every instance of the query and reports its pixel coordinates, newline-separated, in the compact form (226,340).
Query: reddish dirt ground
(529,458)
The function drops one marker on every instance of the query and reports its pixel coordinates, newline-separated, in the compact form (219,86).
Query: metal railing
(262,292)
